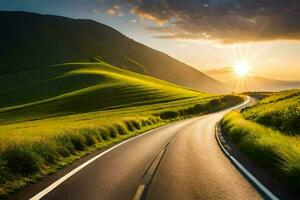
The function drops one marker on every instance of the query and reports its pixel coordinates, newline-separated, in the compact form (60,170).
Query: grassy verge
(277,152)
(26,159)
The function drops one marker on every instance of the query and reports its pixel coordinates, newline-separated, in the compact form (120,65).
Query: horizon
(273,57)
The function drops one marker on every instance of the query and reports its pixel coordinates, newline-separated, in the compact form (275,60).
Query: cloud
(115,10)
(230,21)
(148,16)
(110,12)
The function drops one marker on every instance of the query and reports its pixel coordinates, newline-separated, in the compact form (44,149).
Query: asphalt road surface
(178,161)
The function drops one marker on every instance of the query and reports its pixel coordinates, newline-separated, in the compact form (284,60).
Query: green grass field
(53,115)
(269,133)
(280,111)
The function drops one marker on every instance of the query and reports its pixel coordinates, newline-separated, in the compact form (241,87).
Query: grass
(269,133)
(25,160)
(280,111)
(53,115)
(258,95)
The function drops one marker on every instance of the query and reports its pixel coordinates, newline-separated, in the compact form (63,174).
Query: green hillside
(48,40)
(82,87)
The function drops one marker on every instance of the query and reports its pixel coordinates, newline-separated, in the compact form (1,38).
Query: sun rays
(241,62)
(241,69)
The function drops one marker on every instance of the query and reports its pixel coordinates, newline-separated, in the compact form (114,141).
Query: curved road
(178,161)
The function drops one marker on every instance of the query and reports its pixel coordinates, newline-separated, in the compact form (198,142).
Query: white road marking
(139,192)
(256,183)
(74,171)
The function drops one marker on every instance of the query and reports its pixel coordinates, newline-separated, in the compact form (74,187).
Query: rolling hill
(30,41)
(73,88)
(50,116)
(253,82)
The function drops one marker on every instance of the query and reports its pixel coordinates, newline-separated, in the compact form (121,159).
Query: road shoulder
(261,174)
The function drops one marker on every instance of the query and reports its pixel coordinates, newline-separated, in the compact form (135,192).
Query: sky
(206,34)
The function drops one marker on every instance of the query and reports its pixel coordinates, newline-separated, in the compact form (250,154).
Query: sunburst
(241,69)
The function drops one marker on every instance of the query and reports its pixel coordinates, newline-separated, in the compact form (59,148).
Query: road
(178,161)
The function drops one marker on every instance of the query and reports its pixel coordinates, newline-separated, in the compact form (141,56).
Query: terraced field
(53,115)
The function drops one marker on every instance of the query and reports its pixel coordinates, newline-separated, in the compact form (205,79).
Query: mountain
(30,41)
(252,82)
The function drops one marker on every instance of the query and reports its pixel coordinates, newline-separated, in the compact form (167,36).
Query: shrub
(132,124)
(47,150)
(197,109)
(105,135)
(144,123)
(90,136)
(97,135)
(231,99)
(4,174)
(65,147)
(112,131)
(154,120)
(169,115)
(120,129)
(78,141)
(149,122)
(135,124)
(128,125)
(22,160)
(214,104)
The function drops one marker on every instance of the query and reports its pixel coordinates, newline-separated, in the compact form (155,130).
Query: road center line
(139,192)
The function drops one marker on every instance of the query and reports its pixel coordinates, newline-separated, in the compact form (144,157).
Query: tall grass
(280,111)
(24,159)
(277,152)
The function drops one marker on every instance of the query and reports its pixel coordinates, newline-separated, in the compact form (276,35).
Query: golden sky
(278,59)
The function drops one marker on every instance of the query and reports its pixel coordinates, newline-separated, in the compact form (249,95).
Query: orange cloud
(222,21)
(110,12)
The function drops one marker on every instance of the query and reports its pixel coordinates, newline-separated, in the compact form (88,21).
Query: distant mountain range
(251,83)
(30,41)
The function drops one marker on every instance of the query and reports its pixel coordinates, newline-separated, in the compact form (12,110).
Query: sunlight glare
(241,69)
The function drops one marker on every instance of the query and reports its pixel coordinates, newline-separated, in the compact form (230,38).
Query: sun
(241,69)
